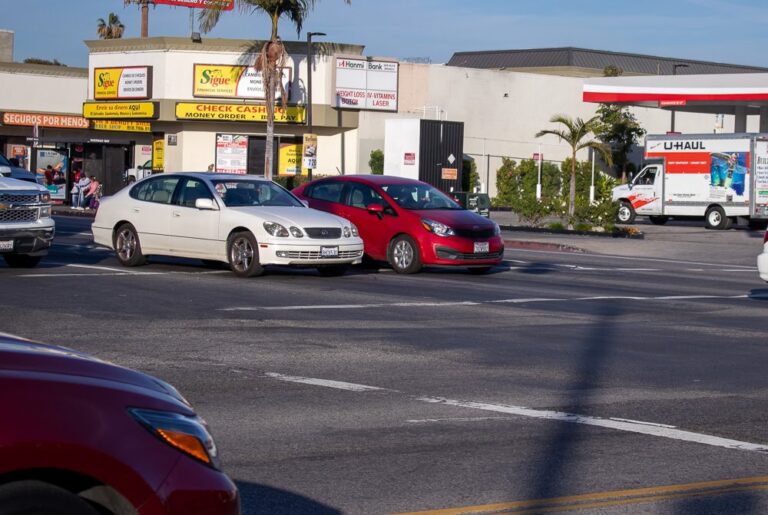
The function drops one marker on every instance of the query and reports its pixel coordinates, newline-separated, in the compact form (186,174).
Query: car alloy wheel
(404,255)
(243,255)
(127,246)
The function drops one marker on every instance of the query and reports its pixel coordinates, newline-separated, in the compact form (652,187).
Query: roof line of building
(571,49)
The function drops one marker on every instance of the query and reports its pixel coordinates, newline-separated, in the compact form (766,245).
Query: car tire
(127,246)
(243,255)
(21,260)
(626,213)
(332,270)
(479,270)
(31,497)
(658,220)
(715,218)
(404,255)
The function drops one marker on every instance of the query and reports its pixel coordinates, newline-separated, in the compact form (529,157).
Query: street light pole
(674,72)
(309,86)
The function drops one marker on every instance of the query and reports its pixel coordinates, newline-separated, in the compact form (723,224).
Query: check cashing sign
(126,83)
(231,81)
(208,111)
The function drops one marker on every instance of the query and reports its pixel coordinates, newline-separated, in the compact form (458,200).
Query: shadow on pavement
(538,269)
(759,294)
(744,503)
(259,499)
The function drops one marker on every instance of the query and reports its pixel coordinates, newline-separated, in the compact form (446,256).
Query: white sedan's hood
(287,216)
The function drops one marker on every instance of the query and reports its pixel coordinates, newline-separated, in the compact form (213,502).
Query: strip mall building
(176,104)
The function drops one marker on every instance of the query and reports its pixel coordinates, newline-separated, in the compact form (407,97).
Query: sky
(726,31)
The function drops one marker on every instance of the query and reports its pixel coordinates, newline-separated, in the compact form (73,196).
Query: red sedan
(408,223)
(85,437)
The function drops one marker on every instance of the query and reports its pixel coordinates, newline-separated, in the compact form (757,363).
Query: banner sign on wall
(228,81)
(158,153)
(120,110)
(366,84)
(55,180)
(289,159)
(237,112)
(60,121)
(231,153)
(224,5)
(130,82)
(121,126)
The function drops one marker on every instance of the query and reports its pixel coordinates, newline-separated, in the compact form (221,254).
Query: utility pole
(309,87)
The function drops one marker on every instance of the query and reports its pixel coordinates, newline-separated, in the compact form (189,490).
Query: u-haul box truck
(715,176)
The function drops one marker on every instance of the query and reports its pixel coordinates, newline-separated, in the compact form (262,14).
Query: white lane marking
(456,419)
(618,424)
(631,258)
(483,302)
(108,268)
(339,385)
(644,428)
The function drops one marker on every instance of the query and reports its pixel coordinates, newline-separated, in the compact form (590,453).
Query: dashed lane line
(438,304)
(618,424)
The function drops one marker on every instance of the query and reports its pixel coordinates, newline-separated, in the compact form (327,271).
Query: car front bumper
(310,254)
(33,241)
(461,252)
(762,265)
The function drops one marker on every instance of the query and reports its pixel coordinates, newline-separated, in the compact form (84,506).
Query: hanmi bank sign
(366,84)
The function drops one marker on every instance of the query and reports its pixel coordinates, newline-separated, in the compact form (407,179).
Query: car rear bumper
(762,265)
(310,255)
(461,252)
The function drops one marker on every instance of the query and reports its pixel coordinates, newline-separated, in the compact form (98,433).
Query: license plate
(481,247)
(329,252)
(6,245)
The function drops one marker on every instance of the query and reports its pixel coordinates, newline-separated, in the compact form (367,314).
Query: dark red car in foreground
(408,223)
(80,436)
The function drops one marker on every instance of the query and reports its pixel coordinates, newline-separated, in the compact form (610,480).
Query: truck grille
(19,215)
(323,233)
(18,198)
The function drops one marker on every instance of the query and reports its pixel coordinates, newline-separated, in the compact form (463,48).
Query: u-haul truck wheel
(626,214)
(716,219)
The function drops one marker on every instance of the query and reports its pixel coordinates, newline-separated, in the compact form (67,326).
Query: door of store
(257,148)
(107,163)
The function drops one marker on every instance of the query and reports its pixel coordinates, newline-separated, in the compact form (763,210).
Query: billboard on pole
(224,5)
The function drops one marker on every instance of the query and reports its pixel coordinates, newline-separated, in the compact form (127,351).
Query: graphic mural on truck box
(722,165)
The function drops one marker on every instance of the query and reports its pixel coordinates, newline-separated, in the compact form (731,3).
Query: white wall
(42,93)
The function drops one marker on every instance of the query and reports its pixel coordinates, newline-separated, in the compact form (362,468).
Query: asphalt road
(607,382)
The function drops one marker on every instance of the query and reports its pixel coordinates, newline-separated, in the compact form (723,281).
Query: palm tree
(110,29)
(272,57)
(574,132)
(144,5)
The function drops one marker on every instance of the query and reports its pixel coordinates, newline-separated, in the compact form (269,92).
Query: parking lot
(625,376)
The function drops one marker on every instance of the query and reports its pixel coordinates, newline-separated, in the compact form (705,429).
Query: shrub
(376,162)
(556,226)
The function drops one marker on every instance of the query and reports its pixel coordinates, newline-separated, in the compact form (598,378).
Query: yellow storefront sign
(127,82)
(121,126)
(158,154)
(237,112)
(216,80)
(289,160)
(120,110)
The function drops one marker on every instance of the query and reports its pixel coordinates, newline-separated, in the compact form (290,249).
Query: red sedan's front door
(376,229)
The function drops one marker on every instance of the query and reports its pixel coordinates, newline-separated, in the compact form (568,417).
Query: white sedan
(762,260)
(242,220)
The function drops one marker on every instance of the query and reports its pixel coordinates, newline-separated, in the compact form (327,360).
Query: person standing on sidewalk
(82,187)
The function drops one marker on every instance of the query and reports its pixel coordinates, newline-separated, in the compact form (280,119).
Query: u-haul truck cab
(718,177)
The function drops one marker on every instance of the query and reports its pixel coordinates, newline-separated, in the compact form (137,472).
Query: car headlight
(347,231)
(45,212)
(437,227)
(275,229)
(189,435)
(296,232)
(45,197)
(355,233)
(496,229)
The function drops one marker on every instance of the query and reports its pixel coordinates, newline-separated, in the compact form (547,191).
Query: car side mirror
(376,209)
(5,170)
(205,204)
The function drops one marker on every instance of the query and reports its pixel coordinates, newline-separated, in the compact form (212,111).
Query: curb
(538,245)
(544,230)
(66,211)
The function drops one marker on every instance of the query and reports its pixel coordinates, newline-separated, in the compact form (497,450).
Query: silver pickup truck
(26,226)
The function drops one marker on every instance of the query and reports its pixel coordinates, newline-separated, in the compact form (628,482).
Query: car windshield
(244,192)
(419,196)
